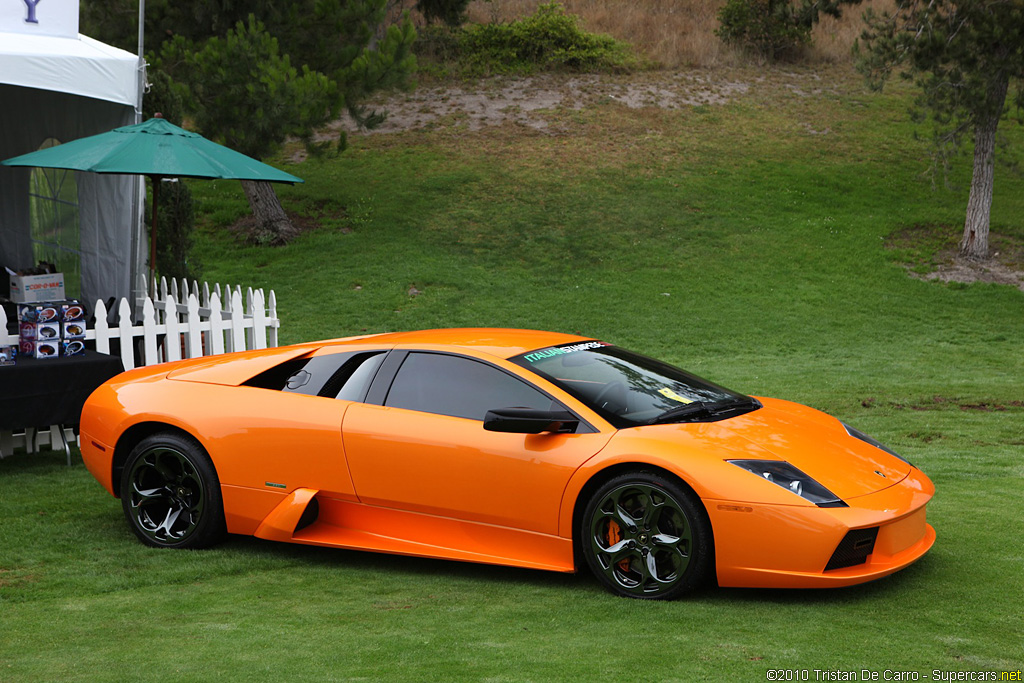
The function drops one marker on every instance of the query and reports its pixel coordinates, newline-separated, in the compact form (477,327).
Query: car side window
(345,376)
(352,380)
(459,387)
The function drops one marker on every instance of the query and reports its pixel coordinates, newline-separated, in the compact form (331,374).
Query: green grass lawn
(737,241)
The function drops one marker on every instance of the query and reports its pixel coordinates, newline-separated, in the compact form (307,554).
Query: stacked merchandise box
(36,288)
(50,329)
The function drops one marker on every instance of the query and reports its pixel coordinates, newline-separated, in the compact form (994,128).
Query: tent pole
(152,230)
(142,60)
(142,26)
(139,195)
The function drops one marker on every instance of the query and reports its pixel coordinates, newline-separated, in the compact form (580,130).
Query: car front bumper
(782,546)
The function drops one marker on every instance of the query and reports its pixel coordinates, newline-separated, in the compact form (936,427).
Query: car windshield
(629,389)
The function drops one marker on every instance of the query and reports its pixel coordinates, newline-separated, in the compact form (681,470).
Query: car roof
(500,342)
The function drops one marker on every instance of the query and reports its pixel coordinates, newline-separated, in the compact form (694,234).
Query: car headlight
(857,434)
(790,478)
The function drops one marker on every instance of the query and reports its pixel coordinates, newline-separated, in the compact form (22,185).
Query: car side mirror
(530,421)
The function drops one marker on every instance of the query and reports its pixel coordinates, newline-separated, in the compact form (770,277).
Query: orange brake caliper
(614,536)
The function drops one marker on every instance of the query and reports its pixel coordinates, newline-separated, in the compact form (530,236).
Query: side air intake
(309,515)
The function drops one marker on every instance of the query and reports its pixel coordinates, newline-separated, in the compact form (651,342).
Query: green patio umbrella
(155,148)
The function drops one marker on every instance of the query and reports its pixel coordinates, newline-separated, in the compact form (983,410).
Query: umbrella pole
(152,232)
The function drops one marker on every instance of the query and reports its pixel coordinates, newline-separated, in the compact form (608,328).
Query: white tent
(64,87)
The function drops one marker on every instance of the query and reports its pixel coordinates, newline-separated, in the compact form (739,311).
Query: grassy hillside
(673,230)
(743,241)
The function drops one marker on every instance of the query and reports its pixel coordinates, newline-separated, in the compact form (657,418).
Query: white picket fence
(171,321)
(208,321)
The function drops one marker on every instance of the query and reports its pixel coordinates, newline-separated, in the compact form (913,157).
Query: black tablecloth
(50,391)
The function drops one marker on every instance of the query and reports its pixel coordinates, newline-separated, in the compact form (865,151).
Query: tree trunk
(974,244)
(272,224)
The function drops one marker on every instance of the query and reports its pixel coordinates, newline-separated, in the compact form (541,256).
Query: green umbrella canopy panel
(155,148)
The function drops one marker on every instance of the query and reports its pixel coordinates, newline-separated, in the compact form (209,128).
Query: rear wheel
(645,536)
(170,493)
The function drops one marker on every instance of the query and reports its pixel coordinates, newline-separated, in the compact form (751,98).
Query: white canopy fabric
(81,66)
(66,88)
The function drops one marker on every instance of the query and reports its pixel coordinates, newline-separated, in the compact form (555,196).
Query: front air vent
(853,549)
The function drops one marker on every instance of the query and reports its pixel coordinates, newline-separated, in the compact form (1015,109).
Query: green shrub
(174,239)
(163,96)
(437,44)
(450,12)
(548,40)
(773,29)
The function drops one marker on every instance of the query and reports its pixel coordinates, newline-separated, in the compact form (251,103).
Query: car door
(282,428)
(421,446)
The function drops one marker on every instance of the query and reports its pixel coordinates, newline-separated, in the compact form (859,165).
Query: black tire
(171,494)
(646,536)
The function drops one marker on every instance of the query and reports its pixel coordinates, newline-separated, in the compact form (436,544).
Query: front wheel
(646,536)
(170,493)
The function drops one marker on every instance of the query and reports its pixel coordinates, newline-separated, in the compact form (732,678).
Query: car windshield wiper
(743,402)
(709,409)
(679,412)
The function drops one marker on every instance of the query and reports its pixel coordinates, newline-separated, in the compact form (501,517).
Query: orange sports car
(514,447)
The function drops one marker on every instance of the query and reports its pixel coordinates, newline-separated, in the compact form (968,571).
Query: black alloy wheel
(171,494)
(646,536)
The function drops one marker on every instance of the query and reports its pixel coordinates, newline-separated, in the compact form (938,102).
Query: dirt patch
(939,402)
(539,104)
(931,252)
(531,101)
(959,269)
(245,229)
(10,578)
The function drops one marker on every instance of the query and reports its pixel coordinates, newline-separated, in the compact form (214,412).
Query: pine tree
(962,55)
(255,73)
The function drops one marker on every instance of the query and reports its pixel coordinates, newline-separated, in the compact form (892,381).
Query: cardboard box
(75,330)
(41,349)
(8,355)
(44,312)
(39,331)
(67,311)
(71,310)
(47,332)
(26,289)
(72,347)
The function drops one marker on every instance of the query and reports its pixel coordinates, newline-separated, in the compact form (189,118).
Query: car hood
(808,439)
(819,445)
